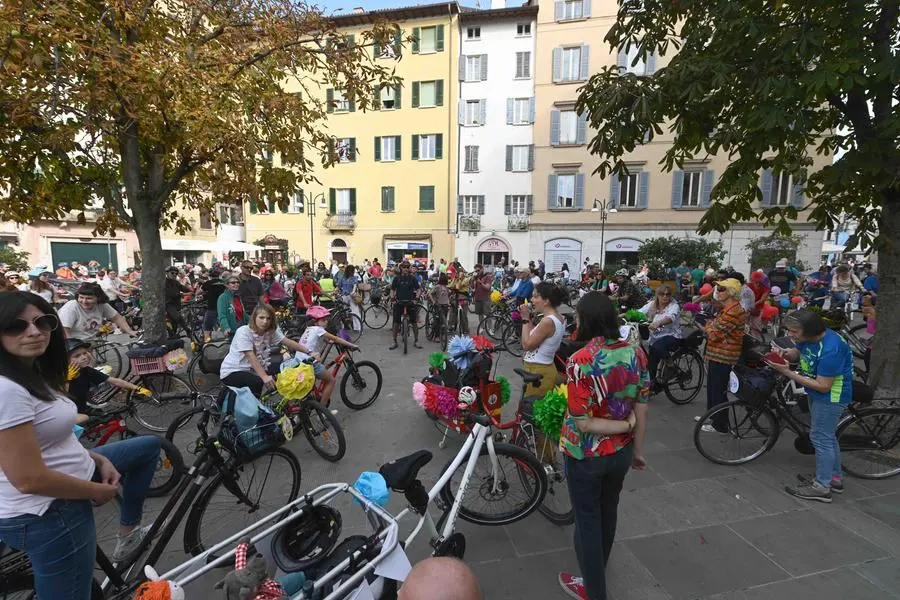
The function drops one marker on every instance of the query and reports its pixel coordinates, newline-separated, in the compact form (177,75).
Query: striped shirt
(725,335)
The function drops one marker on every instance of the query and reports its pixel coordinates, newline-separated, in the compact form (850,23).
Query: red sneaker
(572,586)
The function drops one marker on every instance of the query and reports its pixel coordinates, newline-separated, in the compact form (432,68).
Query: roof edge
(491,14)
(403,13)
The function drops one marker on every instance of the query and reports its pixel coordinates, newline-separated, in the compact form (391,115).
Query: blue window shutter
(767,187)
(557,64)
(531,110)
(531,157)
(797,199)
(581,130)
(651,64)
(554,128)
(622,61)
(551,191)
(677,188)
(614,187)
(586,8)
(709,178)
(579,190)
(558,10)
(482,106)
(643,189)
(585,61)
(509,110)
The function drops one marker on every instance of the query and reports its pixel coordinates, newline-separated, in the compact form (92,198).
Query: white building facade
(496,141)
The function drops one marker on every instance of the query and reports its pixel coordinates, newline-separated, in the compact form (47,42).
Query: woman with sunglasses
(665,328)
(229,306)
(40,285)
(724,342)
(48,481)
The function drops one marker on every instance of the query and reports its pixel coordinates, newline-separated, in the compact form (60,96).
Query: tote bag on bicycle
(252,426)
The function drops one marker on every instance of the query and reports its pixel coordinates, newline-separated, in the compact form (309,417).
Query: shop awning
(188,245)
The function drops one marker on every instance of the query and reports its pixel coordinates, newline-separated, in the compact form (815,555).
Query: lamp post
(311,209)
(605,208)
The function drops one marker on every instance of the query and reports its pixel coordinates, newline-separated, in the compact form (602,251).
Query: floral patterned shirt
(605,380)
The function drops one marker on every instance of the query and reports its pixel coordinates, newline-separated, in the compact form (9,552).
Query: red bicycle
(361,383)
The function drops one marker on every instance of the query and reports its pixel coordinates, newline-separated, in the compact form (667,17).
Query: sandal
(394,347)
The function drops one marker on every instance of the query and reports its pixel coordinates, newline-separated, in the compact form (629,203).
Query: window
(428,39)
(523,65)
(571,64)
(391,49)
(387,199)
(691,188)
(572,9)
(389,98)
(518,205)
(521,111)
(387,148)
(640,67)
(568,127)
(298,202)
(474,67)
(427,146)
(518,158)
(205,219)
(628,191)
(426,197)
(471,164)
(523,29)
(345,149)
(565,191)
(340,103)
(342,196)
(470,205)
(473,33)
(473,112)
(428,93)
(231,214)
(782,189)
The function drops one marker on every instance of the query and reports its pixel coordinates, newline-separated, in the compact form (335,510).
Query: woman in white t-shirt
(82,317)
(249,359)
(48,481)
(314,338)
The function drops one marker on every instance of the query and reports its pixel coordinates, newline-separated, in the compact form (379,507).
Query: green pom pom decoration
(436,360)
(505,389)
(635,316)
(549,412)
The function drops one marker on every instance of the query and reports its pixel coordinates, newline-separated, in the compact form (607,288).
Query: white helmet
(467,395)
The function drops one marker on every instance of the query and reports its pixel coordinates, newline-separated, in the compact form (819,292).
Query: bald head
(440,578)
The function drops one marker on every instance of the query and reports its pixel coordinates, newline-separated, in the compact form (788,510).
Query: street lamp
(605,208)
(310,202)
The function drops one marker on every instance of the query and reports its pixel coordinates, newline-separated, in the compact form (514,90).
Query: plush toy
(158,589)
(249,580)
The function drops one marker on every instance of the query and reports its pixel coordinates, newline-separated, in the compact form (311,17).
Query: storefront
(492,251)
(185,251)
(106,253)
(562,251)
(623,249)
(411,251)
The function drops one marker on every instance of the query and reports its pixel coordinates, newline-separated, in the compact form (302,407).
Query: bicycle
(378,313)
(360,377)
(418,309)
(203,370)
(681,375)
(758,416)
(322,430)
(343,321)
(196,496)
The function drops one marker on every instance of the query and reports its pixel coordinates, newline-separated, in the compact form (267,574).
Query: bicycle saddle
(400,473)
(527,377)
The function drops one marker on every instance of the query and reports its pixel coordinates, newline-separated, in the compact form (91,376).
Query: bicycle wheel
(750,431)
(113,356)
(521,485)
(492,326)
(687,379)
(858,338)
(205,383)
(323,431)
(169,469)
(512,338)
(151,412)
(268,482)
(376,316)
(557,506)
(361,384)
(870,443)
(351,326)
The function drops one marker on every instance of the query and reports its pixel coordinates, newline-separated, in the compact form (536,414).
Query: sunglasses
(721,289)
(45,323)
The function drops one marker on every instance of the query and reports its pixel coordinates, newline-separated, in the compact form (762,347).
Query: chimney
(359,10)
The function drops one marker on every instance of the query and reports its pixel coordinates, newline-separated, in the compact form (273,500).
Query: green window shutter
(332,201)
(397,96)
(253,206)
(352,106)
(439,146)
(415,94)
(439,92)
(426,197)
(439,45)
(301,207)
(415,147)
(398,143)
(377,148)
(398,42)
(353,149)
(272,206)
(330,99)
(352,201)
(376,97)
(415,43)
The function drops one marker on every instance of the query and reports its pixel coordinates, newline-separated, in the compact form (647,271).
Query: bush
(17,261)
(765,251)
(664,253)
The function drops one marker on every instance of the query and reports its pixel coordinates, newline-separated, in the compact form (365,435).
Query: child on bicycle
(83,378)
(314,338)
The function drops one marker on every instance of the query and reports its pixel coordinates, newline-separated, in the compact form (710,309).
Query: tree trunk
(152,278)
(884,373)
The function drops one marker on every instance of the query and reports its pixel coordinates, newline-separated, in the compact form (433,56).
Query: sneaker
(810,491)
(573,586)
(128,544)
(837,485)
(697,418)
(707,428)
(334,411)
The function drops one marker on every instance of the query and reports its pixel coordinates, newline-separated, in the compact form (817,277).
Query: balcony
(343,220)
(471,223)
(520,223)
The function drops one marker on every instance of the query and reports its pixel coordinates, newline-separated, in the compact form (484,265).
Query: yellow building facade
(392,193)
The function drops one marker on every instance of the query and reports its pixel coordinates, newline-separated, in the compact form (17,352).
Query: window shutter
(797,199)
(415,147)
(767,187)
(415,94)
(614,189)
(554,128)
(510,107)
(439,92)
(482,107)
(353,149)
(352,106)
(417,33)
(709,177)
(484,58)
(529,204)
(376,97)
(439,44)
(581,128)
(329,99)
(271,206)
(557,64)
(398,41)
(352,201)
(622,60)
(531,157)
(301,206)
(253,208)
(551,191)
(579,190)
(585,61)
(677,188)
(475,158)
(439,146)
(461,112)
(462,67)
(377,148)
(643,189)
(332,201)
(460,206)
(480,205)
(558,10)
(397,96)
(398,142)
(531,110)
(586,8)
(509,153)
(651,64)
(384,200)
(507,205)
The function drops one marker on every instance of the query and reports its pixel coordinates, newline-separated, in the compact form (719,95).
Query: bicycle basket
(250,441)
(211,357)
(755,385)
(693,341)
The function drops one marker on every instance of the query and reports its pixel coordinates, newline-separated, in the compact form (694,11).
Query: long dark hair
(596,317)
(48,374)
(39,285)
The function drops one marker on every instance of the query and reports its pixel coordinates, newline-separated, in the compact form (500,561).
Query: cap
(172,269)
(73,344)
(732,285)
(781,264)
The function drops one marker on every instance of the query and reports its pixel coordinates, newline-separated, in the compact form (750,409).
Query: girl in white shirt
(314,338)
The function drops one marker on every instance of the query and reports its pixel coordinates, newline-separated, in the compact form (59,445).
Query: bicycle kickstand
(443,443)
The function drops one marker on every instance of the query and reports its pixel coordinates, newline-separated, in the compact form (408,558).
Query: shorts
(481,307)
(398,311)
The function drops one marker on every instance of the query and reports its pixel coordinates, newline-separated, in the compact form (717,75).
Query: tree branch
(261,56)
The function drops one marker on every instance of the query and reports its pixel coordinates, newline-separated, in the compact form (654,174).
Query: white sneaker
(707,428)
(334,411)
(697,418)
(128,544)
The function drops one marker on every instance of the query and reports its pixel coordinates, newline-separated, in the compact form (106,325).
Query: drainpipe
(450,119)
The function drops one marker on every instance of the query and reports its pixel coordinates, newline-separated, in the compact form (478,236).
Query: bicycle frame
(108,428)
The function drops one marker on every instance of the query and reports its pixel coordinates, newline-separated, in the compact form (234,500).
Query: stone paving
(687,528)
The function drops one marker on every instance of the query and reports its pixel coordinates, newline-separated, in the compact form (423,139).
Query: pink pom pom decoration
(418,391)
(692,307)
(447,404)
(515,316)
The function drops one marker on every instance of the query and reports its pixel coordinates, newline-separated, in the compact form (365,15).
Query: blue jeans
(594,487)
(136,459)
(839,299)
(824,417)
(661,349)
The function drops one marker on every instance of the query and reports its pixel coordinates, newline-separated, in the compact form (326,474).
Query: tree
(768,83)
(664,253)
(14,259)
(159,107)
(766,251)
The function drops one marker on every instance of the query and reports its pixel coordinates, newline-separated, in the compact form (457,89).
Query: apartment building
(392,195)
(496,123)
(577,215)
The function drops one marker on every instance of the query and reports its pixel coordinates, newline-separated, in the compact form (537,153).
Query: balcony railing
(470,223)
(518,223)
(343,220)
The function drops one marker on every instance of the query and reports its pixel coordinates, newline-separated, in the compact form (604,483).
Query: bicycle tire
(526,466)
(691,391)
(735,414)
(108,353)
(151,413)
(317,420)
(181,420)
(170,468)
(491,326)
(868,441)
(205,383)
(512,339)
(354,379)
(200,534)
(557,506)
(376,316)
(352,325)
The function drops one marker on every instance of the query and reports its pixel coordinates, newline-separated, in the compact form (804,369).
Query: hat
(781,264)
(73,344)
(732,285)
(172,269)
(63,264)
(317,312)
